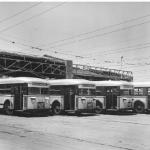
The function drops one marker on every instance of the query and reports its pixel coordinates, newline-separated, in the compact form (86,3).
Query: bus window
(126,92)
(99,91)
(138,91)
(84,91)
(25,90)
(91,92)
(54,92)
(5,91)
(148,91)
(87,92)
(115,91)
(34,90)
(44,91)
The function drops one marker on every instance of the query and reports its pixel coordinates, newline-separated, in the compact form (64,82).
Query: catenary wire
(30,18)
(20,12)
(96,30)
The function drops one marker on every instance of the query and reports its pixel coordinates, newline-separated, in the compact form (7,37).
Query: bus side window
(4,89)
(135,91)
(100,91)
(115,90)
(148,91)
(138,91)
(141,91)
(25,90)
(55,90)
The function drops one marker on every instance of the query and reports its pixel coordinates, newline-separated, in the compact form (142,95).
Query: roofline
(11,80)
(112,83)
(69,82)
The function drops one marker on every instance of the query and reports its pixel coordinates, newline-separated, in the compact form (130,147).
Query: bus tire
(99,108)
(139,107)
(7,109)
(56,109)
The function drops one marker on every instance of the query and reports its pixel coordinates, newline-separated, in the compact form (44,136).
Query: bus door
(148,97)
(69,98)
(111,98)
(18,97)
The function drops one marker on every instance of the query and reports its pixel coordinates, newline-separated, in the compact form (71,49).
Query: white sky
(89,30)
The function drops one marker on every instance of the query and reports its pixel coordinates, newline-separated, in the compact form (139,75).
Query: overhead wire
(120,49)
(96,30)
(43,49)
(90,32)
(20,12)
(99,35)
(57,52)
(30,18)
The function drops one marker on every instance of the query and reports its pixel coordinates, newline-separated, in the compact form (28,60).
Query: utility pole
(121,63)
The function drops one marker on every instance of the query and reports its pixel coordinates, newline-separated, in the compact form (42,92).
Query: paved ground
(100,132)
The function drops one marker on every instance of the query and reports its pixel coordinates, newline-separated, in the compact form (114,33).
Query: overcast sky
(93,33)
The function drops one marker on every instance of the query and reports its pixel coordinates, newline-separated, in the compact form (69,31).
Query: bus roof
(69,82)
(11,80)
(141,84)
(111,83)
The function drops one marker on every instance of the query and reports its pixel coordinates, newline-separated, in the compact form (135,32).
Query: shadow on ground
(119,113)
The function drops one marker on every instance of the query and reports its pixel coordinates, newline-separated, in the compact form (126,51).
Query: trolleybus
(114,95)
(141,96)
(79,95)
(24,94)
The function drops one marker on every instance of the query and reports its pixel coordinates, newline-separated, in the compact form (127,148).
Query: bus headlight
(33,100)
(124,100)
(47,100)
(83,100)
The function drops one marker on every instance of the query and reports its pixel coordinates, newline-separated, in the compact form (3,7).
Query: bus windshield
(37,90)
(126,92)
(86,92)
(44,91)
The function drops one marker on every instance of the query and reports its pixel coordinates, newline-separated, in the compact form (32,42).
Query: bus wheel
(139,107)
(7,109)
(99,108)
(56,109)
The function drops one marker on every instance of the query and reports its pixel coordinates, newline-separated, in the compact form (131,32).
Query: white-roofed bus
(141,96)
(114,95)
(79,95)
(24,94)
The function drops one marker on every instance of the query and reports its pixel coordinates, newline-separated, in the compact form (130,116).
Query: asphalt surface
(90,132)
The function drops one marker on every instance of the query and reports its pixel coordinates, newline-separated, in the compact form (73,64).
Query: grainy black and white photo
(74,75)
